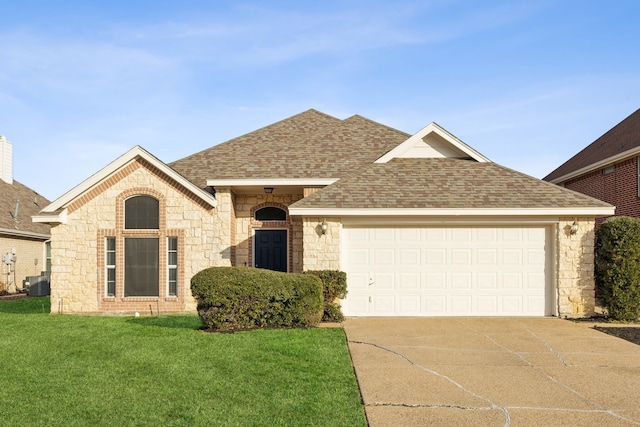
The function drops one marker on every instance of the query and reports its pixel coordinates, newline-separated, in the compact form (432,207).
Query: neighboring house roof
(445,186)
(55,212)
(28,203)
(623,140)
(310,145)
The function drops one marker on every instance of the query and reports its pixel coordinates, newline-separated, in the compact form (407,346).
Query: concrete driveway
(493,372)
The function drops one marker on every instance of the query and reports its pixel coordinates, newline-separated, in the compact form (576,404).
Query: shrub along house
(423,225)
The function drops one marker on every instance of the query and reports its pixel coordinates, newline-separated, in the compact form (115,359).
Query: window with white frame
(47,256)
(172,266)
(110,264)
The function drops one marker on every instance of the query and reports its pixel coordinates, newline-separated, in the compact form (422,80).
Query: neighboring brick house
(608,168)
(423,225)
(23,243)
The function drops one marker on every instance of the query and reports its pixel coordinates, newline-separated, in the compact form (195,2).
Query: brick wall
(245,226)
(29,261)
(619,188)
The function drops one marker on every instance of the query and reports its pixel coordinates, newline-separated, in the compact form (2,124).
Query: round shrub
(240,298)
(334,288)
(618,267)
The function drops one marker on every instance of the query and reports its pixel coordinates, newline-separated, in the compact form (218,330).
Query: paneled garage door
(453,271)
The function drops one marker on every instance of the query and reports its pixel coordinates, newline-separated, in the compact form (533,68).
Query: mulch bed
(630,333)
(12,296)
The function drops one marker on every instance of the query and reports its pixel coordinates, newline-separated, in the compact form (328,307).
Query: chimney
(6,160)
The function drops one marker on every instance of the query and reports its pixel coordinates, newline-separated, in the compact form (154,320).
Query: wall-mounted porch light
(574,228)
(324,227)
(268,190)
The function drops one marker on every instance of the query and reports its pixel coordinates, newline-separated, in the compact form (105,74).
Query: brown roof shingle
(308,145)
(30,203)
(443,183)
(622,137)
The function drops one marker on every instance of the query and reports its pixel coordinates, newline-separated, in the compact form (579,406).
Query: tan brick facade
(30,261)
(245,226)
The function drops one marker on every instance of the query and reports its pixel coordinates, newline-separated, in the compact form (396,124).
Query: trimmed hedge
(334,287)
(618,267)
(241,298)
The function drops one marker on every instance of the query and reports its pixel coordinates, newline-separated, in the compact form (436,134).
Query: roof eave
(251,182)
(59,217)
(116,165)
(595,211)
(597,165)
(28,234)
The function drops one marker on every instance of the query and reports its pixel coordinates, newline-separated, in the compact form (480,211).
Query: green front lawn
(59,370)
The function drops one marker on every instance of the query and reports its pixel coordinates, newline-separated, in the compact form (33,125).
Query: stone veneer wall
(576,281)
(321,251)
(75,269)
(245,205)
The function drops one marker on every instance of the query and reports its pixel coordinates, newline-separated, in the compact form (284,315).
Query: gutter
(595,166)
(20,233)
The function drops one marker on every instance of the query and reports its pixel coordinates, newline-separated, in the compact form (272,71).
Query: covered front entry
(271,249)
(447,271)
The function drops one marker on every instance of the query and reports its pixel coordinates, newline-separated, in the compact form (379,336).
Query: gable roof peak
(433,141)
(134,153)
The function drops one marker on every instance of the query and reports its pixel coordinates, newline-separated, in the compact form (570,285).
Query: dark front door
(271,249)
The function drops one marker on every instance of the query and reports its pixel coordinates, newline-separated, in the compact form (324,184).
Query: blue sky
(526,83)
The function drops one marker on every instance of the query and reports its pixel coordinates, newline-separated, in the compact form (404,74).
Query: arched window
(142,213)
(270,213)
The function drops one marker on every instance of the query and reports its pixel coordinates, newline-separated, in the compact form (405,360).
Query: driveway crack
(435,373)
(601,409)
(422,405)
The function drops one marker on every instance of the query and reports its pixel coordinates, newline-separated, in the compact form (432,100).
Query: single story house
(423,225)
(608,169)
(24,244)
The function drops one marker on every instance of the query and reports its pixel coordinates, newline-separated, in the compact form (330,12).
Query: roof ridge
(377,124)
(261,129)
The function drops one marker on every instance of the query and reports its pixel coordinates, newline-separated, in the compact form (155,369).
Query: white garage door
(453,271)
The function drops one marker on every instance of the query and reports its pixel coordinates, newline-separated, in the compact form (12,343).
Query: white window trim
(108,266)
(172,266)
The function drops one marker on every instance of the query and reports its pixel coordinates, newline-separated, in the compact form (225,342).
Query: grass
(60,370)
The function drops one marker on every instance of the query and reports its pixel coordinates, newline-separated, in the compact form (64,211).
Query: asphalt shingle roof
(30,203)
(308,145)
(443,183)
(622,137)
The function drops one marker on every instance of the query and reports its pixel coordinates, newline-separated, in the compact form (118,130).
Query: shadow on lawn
(22,304)
(177,321)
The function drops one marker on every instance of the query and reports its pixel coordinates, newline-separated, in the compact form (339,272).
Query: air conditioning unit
(38,286)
